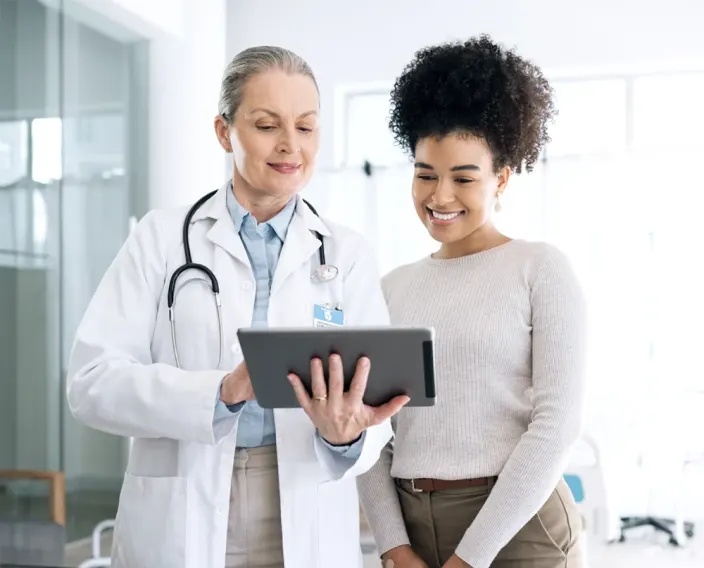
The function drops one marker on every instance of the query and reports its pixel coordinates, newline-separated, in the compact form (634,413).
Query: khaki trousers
(254,529)
(436,522)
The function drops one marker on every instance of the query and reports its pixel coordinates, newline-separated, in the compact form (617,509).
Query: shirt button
(246,285)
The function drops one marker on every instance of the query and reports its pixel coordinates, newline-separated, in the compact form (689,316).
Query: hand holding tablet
(340,416)
(402,364)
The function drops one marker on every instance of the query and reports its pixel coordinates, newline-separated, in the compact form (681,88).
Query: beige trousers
(254,529)
(437,521)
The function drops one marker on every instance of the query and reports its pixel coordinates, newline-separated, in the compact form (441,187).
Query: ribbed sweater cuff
(475,552)
(393,537)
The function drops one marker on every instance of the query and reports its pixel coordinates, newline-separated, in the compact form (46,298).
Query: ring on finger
(320,398)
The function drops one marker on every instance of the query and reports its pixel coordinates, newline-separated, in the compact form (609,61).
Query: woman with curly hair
(477,480)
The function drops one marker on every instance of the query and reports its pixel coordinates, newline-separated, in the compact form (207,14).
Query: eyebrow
(276,115)
(469,167)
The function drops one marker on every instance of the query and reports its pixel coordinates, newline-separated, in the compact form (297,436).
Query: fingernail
(336,359)
(365,362)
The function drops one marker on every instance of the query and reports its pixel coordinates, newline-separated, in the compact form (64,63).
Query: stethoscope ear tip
(324,273)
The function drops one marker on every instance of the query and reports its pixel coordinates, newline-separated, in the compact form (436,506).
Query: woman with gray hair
(214,480)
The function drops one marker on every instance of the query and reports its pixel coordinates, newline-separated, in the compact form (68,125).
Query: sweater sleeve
(535,466)
(380,503)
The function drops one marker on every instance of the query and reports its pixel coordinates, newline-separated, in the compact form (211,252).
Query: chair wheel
(689,533)
(622,538)
(674,541)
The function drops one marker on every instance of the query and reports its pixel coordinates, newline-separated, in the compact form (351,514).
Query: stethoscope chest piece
(324,273)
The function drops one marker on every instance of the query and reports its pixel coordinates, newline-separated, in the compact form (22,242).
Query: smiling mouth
(285,168)
(443,218)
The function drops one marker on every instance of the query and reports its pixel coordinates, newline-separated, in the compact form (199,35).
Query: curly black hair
(476,87)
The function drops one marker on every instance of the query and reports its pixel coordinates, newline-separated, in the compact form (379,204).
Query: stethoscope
(323,273)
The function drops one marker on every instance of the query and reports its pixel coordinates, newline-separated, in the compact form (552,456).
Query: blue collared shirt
(263,243)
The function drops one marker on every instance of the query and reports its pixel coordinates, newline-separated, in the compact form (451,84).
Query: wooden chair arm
(57,489)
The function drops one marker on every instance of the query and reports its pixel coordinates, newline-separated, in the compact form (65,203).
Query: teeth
(445,216)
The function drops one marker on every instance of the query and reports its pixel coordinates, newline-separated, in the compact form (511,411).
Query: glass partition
(68,94)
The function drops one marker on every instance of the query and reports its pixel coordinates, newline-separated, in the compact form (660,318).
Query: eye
(265,127)
(464,180)
(305,129)
(425,177)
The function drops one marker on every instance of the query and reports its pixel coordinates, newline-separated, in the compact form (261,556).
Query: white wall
(185,160)
(371,40)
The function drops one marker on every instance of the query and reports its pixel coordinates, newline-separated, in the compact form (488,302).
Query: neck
(482,239)
(261,206)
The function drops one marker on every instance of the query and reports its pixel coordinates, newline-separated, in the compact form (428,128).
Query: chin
(447,234)
(276,188)
(291,184)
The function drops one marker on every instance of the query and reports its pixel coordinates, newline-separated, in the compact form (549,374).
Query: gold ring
(321,398)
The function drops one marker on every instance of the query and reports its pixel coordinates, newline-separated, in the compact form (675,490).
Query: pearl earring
(497,205)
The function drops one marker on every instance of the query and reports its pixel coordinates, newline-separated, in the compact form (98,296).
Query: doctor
(214,480)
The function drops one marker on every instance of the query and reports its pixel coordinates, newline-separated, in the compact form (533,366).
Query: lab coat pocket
(150,528)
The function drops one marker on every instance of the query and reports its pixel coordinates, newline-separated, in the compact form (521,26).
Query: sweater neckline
(473,257)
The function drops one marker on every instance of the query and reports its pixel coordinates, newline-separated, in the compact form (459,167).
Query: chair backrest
(586,482)
(574,482)
(35,542)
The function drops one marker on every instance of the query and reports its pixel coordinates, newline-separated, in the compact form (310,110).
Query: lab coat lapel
(222,233)
(299,247)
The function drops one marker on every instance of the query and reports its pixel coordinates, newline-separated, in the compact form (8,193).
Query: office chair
(667,526)
(689,410)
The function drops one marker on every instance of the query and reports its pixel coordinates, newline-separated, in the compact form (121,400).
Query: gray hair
(249,63)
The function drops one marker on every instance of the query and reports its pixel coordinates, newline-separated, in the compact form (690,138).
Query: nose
(443,194)
(288,142)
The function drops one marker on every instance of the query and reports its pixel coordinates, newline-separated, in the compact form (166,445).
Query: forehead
(280,92)
(453,149)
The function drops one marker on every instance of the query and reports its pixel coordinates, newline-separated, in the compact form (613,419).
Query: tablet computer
(402,361)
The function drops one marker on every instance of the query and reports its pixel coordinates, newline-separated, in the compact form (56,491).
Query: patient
(477,480)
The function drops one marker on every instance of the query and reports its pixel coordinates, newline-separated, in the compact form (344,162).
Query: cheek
(253,153)
(420,193)
(477,199)
(474,202)
(310,147)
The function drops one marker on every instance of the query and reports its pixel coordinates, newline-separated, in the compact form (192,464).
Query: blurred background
(106,110)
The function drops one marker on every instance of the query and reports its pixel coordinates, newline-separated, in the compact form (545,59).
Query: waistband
(256,458)
(427,485)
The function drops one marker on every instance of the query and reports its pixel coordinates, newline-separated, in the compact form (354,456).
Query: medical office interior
(106,111)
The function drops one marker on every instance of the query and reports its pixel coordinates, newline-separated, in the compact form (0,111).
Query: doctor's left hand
(341,417)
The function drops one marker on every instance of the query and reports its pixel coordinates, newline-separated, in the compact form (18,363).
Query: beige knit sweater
(510,341)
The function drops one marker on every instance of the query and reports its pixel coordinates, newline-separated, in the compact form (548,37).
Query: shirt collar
(279,223)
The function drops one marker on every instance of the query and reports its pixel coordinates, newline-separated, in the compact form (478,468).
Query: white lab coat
(173,510)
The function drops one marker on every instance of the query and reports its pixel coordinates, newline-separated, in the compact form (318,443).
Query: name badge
(327,316)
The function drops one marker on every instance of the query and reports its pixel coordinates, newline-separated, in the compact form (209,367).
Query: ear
(222,131)
(502,179)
